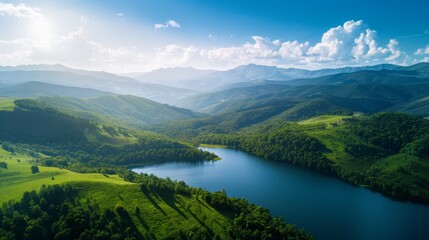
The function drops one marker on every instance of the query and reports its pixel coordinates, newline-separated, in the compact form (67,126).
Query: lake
(324,205)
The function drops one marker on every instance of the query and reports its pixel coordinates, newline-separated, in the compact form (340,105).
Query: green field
(7,104)
(18,178)
(324,119)
(161,215)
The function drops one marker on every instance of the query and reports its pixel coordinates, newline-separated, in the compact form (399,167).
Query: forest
(373,152)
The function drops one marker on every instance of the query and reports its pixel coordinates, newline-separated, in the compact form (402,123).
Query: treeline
(41,127)
(85,157)
(390,131)
(279,145)
(57,212)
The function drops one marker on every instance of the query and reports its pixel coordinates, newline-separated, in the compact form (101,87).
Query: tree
(3,165)
(34,169)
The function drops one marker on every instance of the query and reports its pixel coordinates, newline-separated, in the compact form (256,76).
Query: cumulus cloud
(348,44)
(169,23)
(20,11)
(422,51)
(351,43)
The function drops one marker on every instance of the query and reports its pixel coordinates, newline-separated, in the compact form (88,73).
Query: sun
(41,28)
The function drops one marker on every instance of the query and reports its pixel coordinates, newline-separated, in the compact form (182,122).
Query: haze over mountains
(206,80)
(102,81)
(384,87)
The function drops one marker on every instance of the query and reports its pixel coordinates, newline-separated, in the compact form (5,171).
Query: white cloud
(349,44)
(169,23)
(422,51)
(73,49)
(20,11)
(84,19)
(119,14)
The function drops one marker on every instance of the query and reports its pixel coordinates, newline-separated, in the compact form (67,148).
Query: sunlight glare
(41,28)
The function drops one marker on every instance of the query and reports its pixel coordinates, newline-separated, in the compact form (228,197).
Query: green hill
(79,144)
(123,109)
(387,152)
(40,89)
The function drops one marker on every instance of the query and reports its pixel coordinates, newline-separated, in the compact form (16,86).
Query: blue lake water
(324,205)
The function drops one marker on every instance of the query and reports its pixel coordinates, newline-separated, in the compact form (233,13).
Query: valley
(364,126)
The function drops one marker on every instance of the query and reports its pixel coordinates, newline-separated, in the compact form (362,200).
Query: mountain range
(102,81)
(209,80)
(381,87)
(403,89)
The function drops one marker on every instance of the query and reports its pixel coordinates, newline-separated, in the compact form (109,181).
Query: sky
(138,36)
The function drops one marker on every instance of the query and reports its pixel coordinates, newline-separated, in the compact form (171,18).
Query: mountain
(396,87)
(175,77)
(363,77)
(39,89)
(38,67)
(271,95)
(103,81)
(209,80)
(125,109)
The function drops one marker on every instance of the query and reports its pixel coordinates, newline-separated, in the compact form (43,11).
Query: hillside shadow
(170,200)
(129,222)
(142,222)
(201,222)
(149,197)
(203,203)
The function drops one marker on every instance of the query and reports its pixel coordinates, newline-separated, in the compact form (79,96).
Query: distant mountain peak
(36,67)
(254,66)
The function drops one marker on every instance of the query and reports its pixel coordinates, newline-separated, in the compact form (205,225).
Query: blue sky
(129,36)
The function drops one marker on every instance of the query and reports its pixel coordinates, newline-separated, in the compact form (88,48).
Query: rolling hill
(121,109)
(102,81)
(39,89)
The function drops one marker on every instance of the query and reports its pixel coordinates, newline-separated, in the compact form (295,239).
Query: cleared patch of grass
(7,104)
(324,119)
(17,178)
(163,215)
(330,138)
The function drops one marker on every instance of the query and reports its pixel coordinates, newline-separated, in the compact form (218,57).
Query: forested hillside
(79,144)
(385,152)
(121,109)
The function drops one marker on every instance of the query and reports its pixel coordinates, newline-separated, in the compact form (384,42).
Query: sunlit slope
(18,178)
(121,109)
